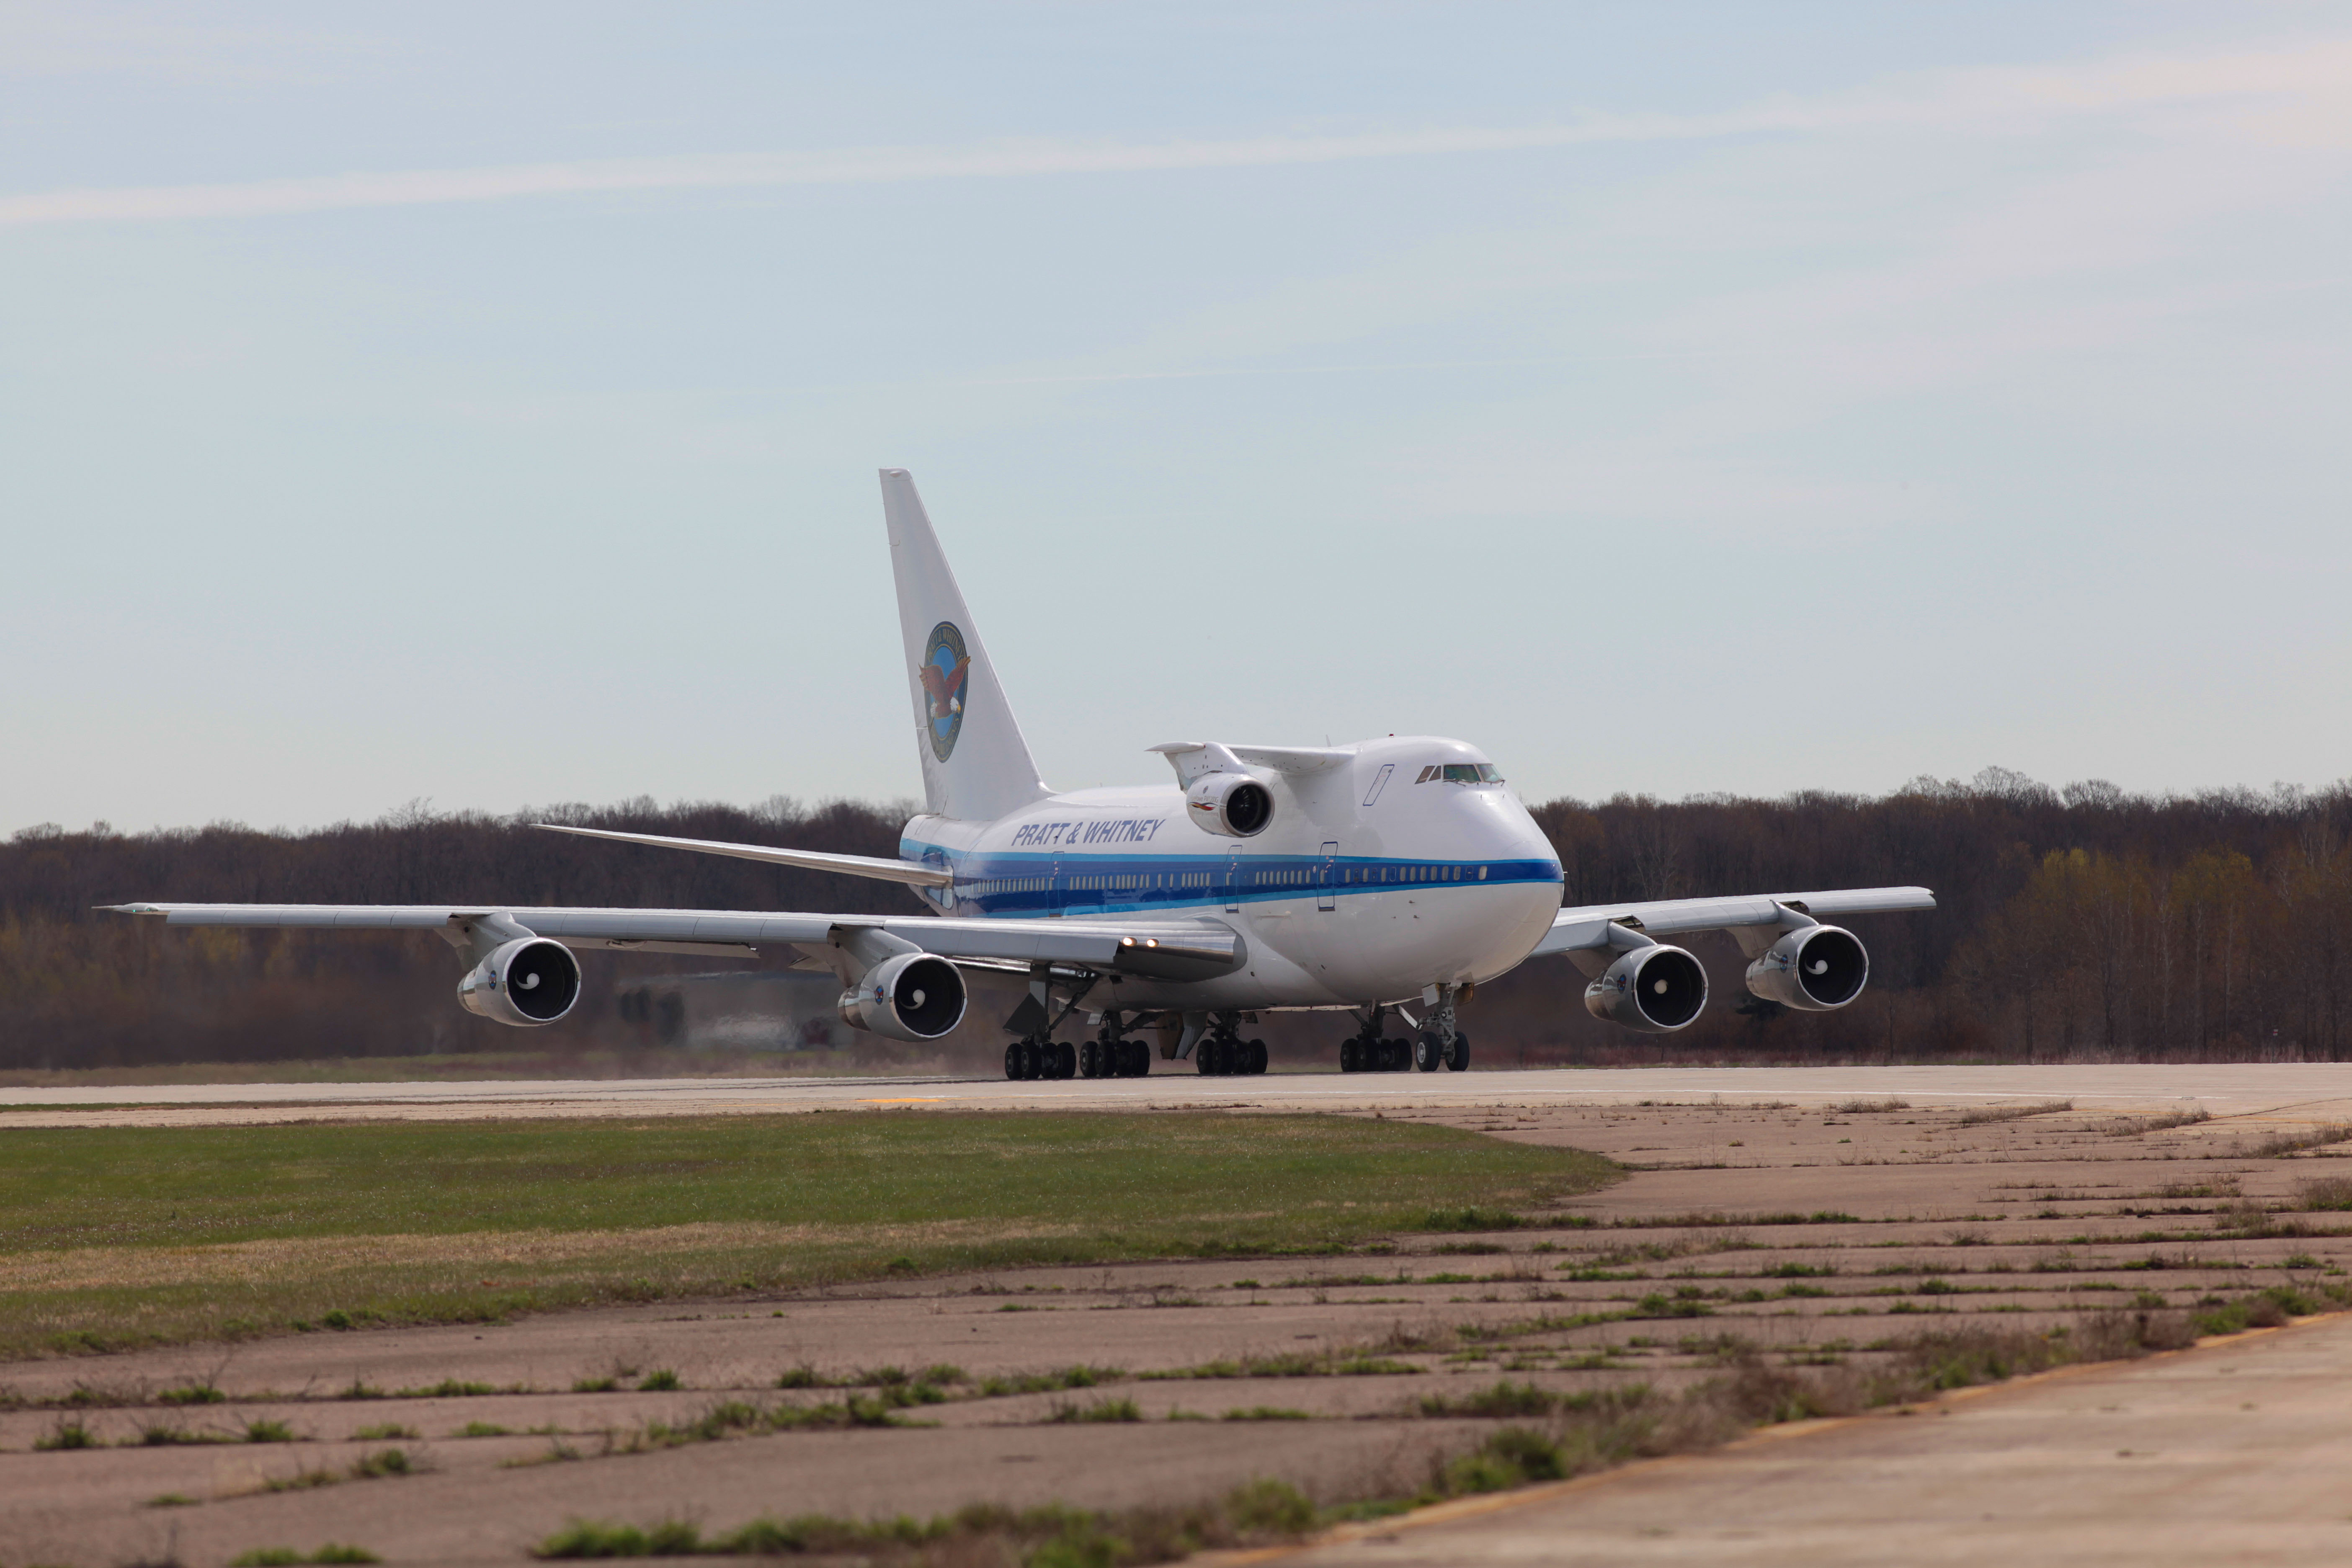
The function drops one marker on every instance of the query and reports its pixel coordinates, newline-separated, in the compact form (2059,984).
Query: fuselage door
(1327,875)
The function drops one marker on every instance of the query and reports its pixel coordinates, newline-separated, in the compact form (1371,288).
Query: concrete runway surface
(2236,1452)
(2314,1091)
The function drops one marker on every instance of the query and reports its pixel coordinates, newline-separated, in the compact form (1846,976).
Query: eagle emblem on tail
(944,673)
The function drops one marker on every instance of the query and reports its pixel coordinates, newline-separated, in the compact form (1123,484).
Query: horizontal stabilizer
(907,872)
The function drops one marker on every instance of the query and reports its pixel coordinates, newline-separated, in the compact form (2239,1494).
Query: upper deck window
(1471,772)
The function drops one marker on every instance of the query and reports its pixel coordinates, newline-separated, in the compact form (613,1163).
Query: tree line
(2083,922)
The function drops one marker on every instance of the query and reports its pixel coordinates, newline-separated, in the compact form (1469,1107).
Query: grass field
(114,1237)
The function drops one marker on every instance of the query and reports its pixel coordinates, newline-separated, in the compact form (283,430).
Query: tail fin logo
(944,673)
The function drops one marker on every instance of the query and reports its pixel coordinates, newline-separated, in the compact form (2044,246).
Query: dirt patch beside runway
(1821,1239)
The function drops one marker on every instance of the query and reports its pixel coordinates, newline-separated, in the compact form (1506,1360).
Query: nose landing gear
(1440,1043)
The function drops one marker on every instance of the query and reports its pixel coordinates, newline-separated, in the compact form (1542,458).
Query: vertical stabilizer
(975,764)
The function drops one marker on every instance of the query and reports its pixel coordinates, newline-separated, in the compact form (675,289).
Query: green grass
(111,1237)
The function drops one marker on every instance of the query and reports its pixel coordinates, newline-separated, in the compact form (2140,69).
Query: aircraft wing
(907,871)
(1161,949)
(1586,929)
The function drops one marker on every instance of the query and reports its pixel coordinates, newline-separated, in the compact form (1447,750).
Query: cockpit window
(1473,773)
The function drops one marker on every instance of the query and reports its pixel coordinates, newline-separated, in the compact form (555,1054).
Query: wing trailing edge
(909,872)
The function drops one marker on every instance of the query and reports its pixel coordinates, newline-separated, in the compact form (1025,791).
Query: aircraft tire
(1087,1052)
(1140,1054)
(1013,1060)
(1347,1055)
(1427,1052)
(1065,1061)
(1398,1056)
(1257,1055)
(1458,1058)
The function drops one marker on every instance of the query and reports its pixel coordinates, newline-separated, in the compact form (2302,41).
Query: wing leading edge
(1163,949)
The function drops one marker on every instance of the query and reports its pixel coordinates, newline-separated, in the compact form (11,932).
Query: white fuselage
(1377,877)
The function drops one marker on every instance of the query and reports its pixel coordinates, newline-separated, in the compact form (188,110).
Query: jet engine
(913,996)
(1653,988)
(1234,805)
(526,983)
(1813,968)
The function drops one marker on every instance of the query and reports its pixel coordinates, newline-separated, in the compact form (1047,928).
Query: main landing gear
(1037,1058)
(1440,1045)
(1111,1055)
(1225,1054)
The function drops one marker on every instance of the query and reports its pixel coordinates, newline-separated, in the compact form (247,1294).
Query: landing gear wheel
(1065,1061)
(1392,1055)
(1013,1060)
(1140,1055)
(1348,1056)
(1458,1058)
(1428,1052)
(1257,1056)
(1088,1058)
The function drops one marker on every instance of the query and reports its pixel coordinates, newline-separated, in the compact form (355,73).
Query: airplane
(1387,879)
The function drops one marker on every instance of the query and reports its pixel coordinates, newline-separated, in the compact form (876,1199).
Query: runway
(2315,1093)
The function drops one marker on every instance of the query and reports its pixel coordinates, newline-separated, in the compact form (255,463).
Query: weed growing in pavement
(1991,1114)
(65,1434)
(2325,1194)
(1120,1409)
(1049,1381)
(2138,1126)
(484,1430)
(282,1556)
(660,1381)
(1335,1363)
(1869,1107)
(385,1432)
(1505,1400)
(596,1386)
(193,1393)
(1266,1412)
(2288,1144)
(449,1388)
(1261,1513)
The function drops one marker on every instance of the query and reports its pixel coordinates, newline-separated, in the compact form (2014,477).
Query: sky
(482,405)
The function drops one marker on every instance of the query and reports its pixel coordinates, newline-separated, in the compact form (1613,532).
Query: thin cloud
(2002,96)
(865,165)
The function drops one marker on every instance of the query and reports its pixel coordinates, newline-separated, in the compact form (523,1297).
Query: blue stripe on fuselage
(999,883)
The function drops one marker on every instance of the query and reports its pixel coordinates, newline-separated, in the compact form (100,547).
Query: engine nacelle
(1232,805)
(529,982)
(913,996)
(1655,989)
(1814,969)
